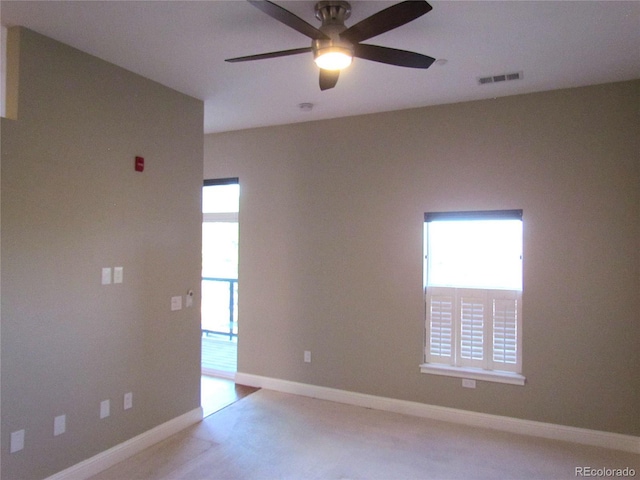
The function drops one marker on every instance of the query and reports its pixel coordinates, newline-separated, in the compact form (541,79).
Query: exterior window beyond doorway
(220,205)
(473,295)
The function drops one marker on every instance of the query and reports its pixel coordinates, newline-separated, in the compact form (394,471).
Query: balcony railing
(220,306)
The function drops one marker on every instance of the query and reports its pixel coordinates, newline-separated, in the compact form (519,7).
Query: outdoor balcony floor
(219,355)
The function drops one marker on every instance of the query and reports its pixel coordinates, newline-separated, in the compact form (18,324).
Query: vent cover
(500,78)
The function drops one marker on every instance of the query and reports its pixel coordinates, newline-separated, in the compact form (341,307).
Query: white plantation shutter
(506,350)
(440,305)
(472,326)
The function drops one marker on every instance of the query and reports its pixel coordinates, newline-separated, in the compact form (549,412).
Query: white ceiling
(183,44)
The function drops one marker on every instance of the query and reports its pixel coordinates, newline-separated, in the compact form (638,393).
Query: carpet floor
(272,435)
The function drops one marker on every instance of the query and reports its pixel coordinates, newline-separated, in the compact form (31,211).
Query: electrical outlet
(307,356)
(128,400)
(105,409)
(468,383)
(59,425)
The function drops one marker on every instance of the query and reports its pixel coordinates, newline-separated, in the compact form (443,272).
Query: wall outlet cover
(468,383)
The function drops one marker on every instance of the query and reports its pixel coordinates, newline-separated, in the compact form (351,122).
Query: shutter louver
(471,328)
(441,325)
(505,331)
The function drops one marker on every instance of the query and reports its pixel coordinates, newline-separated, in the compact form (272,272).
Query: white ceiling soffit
(183,45)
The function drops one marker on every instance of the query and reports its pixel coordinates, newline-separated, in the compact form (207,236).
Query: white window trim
(3,70)
(473,373)
(433,363)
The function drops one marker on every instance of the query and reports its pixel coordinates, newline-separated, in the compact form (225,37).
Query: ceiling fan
(334,45)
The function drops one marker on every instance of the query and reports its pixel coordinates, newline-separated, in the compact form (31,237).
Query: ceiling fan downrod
(333,11)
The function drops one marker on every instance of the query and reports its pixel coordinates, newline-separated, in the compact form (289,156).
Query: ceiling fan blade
(385,20)
(393,56)
(261,56)
(328,78)
(289,19)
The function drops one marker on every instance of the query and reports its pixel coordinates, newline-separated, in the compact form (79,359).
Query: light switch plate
(59,425)
(17,441)
(118,274)
(176,303)
(106,275)
(105,409)
(128,400)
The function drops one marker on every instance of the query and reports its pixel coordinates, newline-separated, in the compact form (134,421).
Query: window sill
(473,373)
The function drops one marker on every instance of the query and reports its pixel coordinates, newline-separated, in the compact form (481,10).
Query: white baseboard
(627,443)
(108,458)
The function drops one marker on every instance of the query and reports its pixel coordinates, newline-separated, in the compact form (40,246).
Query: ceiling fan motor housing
(332,14)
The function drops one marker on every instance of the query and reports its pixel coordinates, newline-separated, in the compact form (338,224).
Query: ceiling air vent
(504,77)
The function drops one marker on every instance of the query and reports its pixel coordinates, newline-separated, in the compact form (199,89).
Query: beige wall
(71,205)
(331,245)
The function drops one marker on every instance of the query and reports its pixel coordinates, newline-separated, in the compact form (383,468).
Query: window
(3,70)
(473,295)
(220,235)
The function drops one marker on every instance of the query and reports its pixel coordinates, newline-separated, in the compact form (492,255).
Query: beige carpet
(271,435)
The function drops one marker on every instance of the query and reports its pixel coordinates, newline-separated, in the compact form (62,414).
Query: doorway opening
(219,324)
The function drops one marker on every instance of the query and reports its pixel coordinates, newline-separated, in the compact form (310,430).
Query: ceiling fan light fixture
(334,45)
(333,58)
